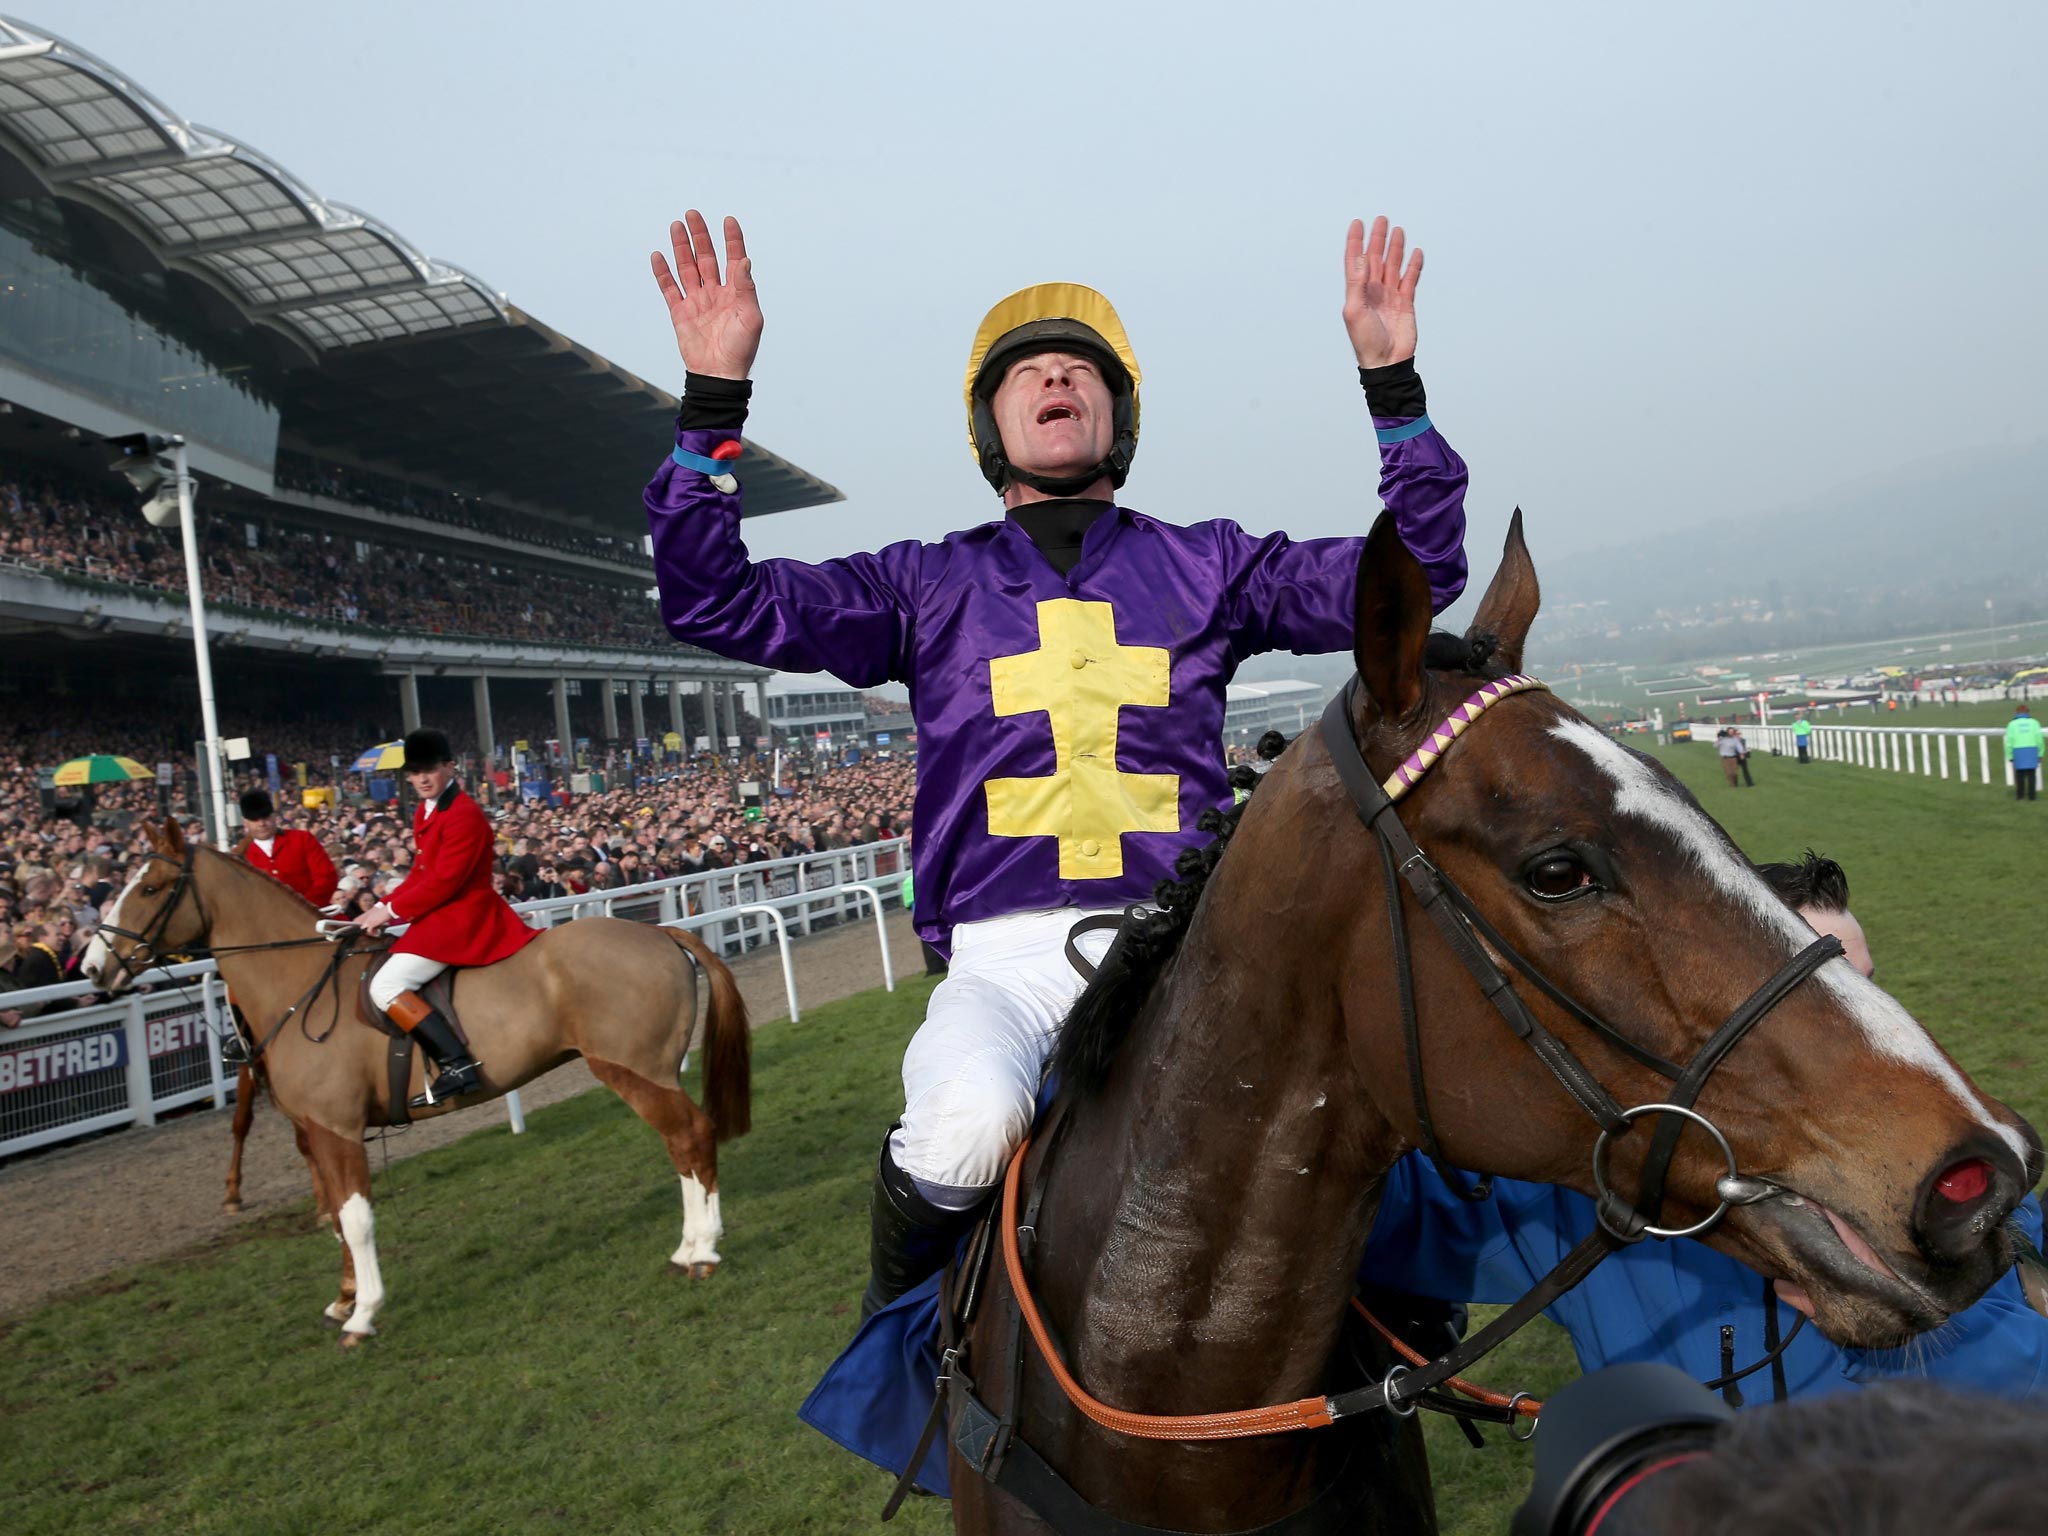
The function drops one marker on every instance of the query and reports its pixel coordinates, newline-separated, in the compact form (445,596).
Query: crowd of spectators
(60,868)
(364,488)
(330,578)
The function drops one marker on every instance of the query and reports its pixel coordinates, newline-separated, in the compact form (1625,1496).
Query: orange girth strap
(1305,1413)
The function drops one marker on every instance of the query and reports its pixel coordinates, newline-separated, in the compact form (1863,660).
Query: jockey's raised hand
(1379,298)
(718,319)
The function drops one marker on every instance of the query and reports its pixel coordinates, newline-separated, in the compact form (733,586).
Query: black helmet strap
(1056,485)
(997,469)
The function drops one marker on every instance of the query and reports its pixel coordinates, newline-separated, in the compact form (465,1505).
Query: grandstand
(416,500)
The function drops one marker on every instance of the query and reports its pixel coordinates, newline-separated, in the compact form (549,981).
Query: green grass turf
(1928,717)
(540,1371)
(1946,880)
(1932,655)
(1992,714)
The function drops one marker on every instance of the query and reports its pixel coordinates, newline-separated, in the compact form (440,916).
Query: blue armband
(1401,434)
(703,464)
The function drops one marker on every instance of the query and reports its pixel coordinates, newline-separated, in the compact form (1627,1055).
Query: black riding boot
(909,1237)
(457,1071)
(234,1045)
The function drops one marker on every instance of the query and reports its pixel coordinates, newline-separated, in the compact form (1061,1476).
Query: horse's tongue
(1853,1241)
(1795,1297)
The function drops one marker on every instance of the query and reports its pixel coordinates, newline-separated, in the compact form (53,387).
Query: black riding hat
(426,749)
(257,805)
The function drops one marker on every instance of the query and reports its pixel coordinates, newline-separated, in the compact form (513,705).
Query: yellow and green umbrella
(386,754)
(100,770)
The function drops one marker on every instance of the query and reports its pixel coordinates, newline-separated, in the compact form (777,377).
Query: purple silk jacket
(1069,728)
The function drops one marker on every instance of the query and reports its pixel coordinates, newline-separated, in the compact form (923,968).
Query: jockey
(453,915)
(292,856)
(1066,664)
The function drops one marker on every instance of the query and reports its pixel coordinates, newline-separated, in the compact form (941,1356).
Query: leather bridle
(145,941)
(145,950)
(1469,936)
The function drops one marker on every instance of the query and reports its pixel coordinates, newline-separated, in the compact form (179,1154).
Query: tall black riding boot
(234,1045)
(909,1237)
(456,1070)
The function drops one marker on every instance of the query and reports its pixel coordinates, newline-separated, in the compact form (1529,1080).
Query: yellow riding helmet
(1045,318)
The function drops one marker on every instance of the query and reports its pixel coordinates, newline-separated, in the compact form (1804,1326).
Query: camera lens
(1604,1432)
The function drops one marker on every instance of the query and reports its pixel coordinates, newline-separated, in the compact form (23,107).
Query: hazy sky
(1681,259)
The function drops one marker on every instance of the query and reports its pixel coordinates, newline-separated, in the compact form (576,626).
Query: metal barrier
(1920,749)
(142,1055)
(118,1063)
(811,889)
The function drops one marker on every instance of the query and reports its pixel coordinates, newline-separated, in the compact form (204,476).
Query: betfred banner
(179,1032)
(52,1061)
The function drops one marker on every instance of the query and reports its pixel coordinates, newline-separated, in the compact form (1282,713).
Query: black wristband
(1395,390)
(711,404)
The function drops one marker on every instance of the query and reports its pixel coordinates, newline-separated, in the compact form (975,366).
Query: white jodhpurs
(402,973)
(972,1072)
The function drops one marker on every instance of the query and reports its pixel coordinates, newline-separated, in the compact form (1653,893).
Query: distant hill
(1910,551)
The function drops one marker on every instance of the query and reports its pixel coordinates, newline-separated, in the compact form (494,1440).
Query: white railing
(121,1063)
(126,1062)
(1925,750)
(810,889)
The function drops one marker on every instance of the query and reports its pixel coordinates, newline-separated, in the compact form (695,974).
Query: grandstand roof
(409,362)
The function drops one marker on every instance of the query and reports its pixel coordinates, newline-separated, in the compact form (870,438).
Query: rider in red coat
(291,856)
(288,854)
(454,916)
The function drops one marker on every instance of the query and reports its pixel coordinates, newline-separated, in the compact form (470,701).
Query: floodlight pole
(188,534)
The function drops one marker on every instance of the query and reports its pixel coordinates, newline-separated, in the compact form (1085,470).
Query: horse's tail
(728,1043)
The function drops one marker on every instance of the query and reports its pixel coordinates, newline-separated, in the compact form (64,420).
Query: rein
(1620,1223)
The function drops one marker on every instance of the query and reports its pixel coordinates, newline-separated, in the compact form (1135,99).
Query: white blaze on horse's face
(99,954)
(1891,1030)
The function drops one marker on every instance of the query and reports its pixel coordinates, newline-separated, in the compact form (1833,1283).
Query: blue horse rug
(874,1399)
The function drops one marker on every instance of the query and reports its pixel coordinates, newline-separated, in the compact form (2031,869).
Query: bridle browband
(1469,936)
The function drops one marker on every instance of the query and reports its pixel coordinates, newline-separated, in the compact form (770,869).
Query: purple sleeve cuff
(1422,482)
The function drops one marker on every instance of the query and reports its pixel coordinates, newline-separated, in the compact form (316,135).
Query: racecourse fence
(147,1053)
(1925,750)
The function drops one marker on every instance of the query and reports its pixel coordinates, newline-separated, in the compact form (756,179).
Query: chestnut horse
(1195,1224)
(621,995)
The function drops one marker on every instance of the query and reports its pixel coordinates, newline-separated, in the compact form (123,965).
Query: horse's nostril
(1965,1181)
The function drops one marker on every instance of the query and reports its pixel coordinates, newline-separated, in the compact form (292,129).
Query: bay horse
(621,995)
(1233,1088)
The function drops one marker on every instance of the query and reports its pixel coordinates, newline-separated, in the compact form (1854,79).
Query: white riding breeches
(402,973)
(971,1075)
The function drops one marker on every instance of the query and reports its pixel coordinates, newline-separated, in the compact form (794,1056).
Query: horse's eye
(151,890)
(1558,877)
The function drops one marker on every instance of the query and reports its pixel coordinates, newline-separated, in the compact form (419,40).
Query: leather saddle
(440,993)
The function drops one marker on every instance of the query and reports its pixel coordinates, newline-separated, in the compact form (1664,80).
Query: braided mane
(1149,939)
